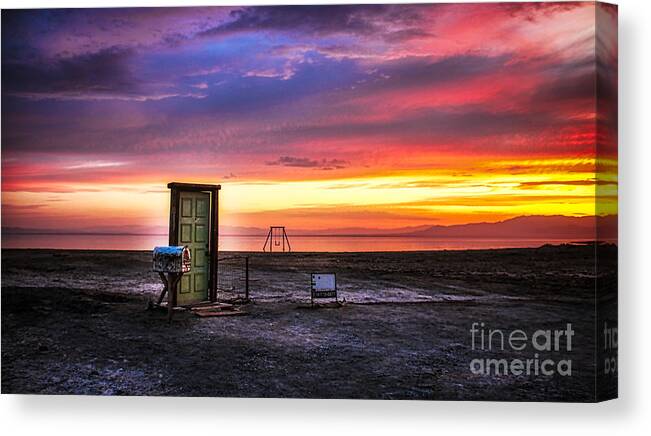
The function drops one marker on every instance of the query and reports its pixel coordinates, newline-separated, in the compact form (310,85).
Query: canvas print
(389,201)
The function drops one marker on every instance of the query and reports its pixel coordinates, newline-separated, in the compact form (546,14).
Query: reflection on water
(255,243)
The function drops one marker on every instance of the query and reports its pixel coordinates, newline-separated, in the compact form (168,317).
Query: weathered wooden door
(194,231)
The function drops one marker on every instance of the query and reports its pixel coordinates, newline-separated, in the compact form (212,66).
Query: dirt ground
(77,323)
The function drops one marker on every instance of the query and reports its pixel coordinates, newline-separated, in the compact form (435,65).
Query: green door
(194,231)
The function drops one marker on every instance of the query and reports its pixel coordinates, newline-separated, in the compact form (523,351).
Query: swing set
(277,237)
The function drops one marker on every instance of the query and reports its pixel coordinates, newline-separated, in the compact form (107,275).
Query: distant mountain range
(523,227)
(526,227)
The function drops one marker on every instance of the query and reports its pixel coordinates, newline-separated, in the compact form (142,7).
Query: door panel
(202,207)
(200,233)
(199,259)
(194,226)
(186,207)
(186,233)
(186,280)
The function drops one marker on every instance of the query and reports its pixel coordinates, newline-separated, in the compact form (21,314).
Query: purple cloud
(303,162)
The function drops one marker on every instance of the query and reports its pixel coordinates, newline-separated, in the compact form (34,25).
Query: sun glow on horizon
(396,199)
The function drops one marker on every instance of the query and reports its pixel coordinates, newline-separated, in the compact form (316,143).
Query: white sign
(324,282)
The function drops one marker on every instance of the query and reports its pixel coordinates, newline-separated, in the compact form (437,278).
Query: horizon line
(264,231)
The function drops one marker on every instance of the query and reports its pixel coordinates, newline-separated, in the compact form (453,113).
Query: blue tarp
(169,250)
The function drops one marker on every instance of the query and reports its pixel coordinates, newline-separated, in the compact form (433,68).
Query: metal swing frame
(270,240)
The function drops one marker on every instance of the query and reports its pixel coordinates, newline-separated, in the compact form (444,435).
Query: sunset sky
(309,117)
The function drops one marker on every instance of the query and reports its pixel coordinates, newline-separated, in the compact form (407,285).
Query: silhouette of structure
(277,237)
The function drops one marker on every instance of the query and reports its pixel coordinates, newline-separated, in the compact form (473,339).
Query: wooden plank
(203,304)
(214,244)
(216,306)
(164,291)
(173,280)
(193,186)
(174,215)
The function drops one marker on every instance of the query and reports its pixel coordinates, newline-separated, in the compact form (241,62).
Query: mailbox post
(173,261)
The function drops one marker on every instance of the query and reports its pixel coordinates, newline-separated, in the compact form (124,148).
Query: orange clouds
(369,115)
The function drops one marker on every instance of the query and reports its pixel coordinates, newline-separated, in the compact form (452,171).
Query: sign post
(323,285)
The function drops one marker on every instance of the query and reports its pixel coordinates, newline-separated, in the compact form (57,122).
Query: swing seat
(276,238)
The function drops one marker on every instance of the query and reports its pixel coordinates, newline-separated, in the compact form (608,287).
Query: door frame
(213,232)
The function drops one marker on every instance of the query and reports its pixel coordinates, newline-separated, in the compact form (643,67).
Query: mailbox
(174,259)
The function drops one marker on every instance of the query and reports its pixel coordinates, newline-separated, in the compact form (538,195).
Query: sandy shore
(76,323)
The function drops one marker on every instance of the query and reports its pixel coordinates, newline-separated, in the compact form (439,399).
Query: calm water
(255,243)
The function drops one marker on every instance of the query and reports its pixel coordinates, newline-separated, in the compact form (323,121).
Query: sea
(319,243)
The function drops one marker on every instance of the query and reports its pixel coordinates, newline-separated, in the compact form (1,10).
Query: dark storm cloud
(303,162)
(577,87)
(21,28)
(607,114)
(607,80)
(431,125)
(424,72)
(103,72)
(531,11)
(317,20)
(420,71)
(407,34)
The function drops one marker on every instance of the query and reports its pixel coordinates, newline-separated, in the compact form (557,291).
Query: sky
(313,117)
